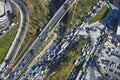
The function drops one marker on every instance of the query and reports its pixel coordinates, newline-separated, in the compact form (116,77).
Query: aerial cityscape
(59,39)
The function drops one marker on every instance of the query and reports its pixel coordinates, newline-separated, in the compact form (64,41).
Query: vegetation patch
(65,66)
(100,15)
(7,39)
(76,12)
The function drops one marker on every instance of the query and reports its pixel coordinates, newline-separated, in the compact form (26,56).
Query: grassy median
(102,14)
(6,41)
(65,66)
(76,12)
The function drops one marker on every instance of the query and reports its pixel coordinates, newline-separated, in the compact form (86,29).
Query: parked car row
(109,66)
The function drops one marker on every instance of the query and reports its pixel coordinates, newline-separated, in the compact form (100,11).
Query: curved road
(20,35)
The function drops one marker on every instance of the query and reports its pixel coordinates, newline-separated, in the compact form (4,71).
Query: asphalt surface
(57,56)
(14,74)
(59,53)
(77,74)
(49,48)
(39,40)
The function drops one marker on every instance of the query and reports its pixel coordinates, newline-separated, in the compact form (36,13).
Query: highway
(44,53)
(52,55)
(49,48)
(20,35)
(59,53)
(22,64)
(56,55)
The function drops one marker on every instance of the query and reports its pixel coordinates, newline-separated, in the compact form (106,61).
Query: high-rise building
(118,28)
(3,14)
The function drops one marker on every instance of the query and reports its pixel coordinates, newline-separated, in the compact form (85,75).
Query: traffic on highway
(98,60)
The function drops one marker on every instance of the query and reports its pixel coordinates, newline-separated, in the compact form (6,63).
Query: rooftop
(2,6)
(118,29)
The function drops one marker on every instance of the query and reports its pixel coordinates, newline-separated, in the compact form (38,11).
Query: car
(76,32)
(18,71)
(15,73)
(106,68)
(31,51)
(111,70)
(83,69)
(66,5)
(47,50)
(76,62)
(94,11)
(109,53)
(84,53)
(69,1)
(41,39)
(4,31)
(28,78)
(83,49)
(24,60)
(115,72)
(36,75)
(64,45)
(88,52)
(118,73)
(118,66)
(112,65)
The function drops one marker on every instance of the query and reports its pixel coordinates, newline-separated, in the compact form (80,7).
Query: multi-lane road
(39,40)
(59,50)
(56,55)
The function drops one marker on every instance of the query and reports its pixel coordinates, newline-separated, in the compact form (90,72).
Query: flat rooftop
(2,8)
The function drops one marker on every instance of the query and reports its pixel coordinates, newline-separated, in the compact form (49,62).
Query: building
(2,9)
(4,16)
(118,29)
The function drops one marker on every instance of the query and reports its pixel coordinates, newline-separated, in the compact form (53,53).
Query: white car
(64,45)
(88,52)
(83,49)
(84,53)
(76,62)
(36,75)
